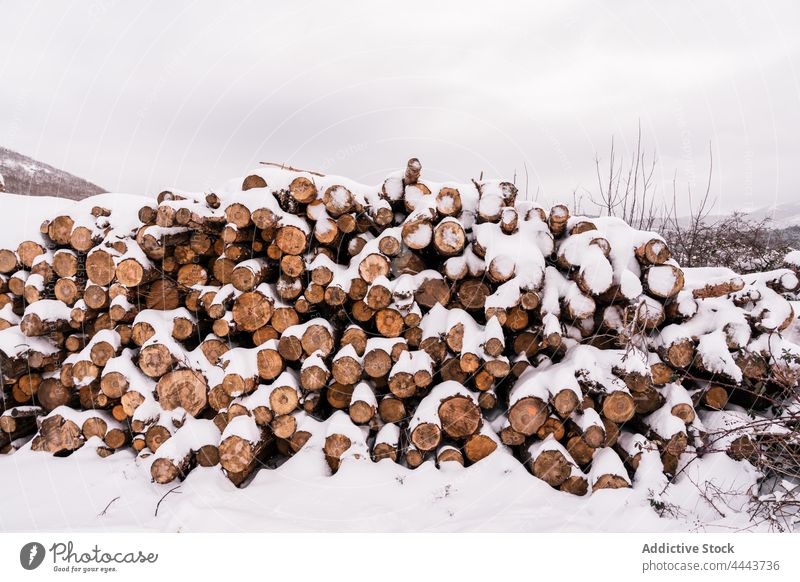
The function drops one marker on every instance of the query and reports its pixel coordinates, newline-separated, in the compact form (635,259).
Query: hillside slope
(24,175)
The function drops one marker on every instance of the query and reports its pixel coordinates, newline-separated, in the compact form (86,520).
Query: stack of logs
(410,321)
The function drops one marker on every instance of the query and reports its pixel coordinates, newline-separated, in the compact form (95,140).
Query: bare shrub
(626,189)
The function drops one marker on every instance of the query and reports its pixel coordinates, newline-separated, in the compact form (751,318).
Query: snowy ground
(87,493)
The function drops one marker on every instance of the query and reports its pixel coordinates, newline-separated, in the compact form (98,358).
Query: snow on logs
(404,322)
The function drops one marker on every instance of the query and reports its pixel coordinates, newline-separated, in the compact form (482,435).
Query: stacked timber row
(411,321)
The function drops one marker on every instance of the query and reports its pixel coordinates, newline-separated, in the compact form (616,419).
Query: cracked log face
(460,417)
(251,311)
(183,388)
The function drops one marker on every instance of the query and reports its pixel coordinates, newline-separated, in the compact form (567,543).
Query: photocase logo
(31,555)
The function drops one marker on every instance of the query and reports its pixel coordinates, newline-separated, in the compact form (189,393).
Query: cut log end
(426,436)
(185,388)
(460,417)
(527,415)
(619,407)
(551,467)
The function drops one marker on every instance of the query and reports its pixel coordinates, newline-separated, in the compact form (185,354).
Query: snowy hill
(784,215)
(24,175)
(781,216)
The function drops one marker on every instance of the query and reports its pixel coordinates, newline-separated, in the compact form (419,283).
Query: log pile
(419,320)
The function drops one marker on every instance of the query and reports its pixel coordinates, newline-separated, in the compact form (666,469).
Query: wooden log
(552,426)
(576,483)
(679,353)
(29,384)
(478,446)
(335,447)
(9,261)
(156,435)
(580,451)
(247,275)
(156,359)
(317,337)
(472,294)
(608,472)
(550,463)
(92,398)
(183,388)
(425,436)
(460,417)
(284,426)
(715,397)
(647,401)
(60,228)
(28,251)
(252,310)
(242,446)
(291,240)
(288,288)
(653,252)
(68,290)
(363,404)
(269,361)
(34,289)
(284,397)
(238,214)
(82,239)
(52,394)
(100,267)
(618,406)
(387,443)
(389,322)
(447,453)
(194,443)
(35,325)
(417,232)
(303,190)
(449,238)
(347,367)
(448,201)
(414,457)
(338,200)
(96,297)
(19,421)
(557,220)
(57,435)
(664,281)
(133,272)
(743,448)
(104,347)
(392,409)
(527,415)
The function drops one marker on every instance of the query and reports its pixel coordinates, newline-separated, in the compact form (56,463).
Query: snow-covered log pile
(420,320)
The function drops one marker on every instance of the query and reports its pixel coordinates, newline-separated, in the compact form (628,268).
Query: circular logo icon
(31,555)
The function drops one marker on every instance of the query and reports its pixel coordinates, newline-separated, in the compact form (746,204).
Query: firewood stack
(410,321)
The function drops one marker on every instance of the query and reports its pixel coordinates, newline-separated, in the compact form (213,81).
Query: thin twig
(164,497)
(291,169)
(102,513)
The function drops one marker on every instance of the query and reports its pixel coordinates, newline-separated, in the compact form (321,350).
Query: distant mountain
(783,219)
(24,175)
(784,215)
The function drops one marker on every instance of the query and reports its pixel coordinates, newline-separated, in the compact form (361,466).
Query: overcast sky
(140,96)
